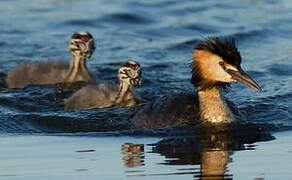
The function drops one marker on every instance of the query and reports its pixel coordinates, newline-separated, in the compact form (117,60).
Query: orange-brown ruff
(216,63)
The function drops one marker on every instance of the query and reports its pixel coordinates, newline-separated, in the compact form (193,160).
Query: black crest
(225,49)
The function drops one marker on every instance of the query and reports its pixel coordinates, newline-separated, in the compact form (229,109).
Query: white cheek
(228,78)
(221,75)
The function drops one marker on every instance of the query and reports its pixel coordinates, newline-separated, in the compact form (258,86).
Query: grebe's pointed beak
(244,78)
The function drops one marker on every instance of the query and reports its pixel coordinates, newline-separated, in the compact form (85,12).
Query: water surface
(161,36)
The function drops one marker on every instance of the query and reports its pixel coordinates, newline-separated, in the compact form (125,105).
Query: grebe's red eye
(221,63)
(85,37)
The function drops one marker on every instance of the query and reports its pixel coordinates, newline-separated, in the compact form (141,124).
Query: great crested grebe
(51,72)
(107,94)
(216,63)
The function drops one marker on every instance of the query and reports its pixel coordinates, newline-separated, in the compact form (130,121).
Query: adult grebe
(107,94)
(216,63)
(52,72)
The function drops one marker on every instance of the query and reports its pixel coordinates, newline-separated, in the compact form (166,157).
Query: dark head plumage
(216,63)
(82,44)
(131,64)
(225,49)
(78,35)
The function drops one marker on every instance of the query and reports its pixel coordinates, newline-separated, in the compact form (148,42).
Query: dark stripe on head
(78,35)
(131,64)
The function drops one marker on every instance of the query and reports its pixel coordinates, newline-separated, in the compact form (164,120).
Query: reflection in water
(210,151)
(213,164)
(134,154)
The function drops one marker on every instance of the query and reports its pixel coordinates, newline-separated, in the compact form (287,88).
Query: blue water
(161,36)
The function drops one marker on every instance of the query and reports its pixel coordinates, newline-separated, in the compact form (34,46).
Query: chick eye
(221,63)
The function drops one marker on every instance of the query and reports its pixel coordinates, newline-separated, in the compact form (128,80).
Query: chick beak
(136,81)
(90,49)
(244,78)
(88,55)
(139,82)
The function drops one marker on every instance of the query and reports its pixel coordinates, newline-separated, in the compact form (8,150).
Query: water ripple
(84,22)
(127,18)
(161,35)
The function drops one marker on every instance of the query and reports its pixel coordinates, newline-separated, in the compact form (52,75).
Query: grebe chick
(216,63)
(107,94)
(52,72)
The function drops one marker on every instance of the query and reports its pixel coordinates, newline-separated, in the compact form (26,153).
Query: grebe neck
(125,96)
(124,91)
(78,70)
(212,106)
